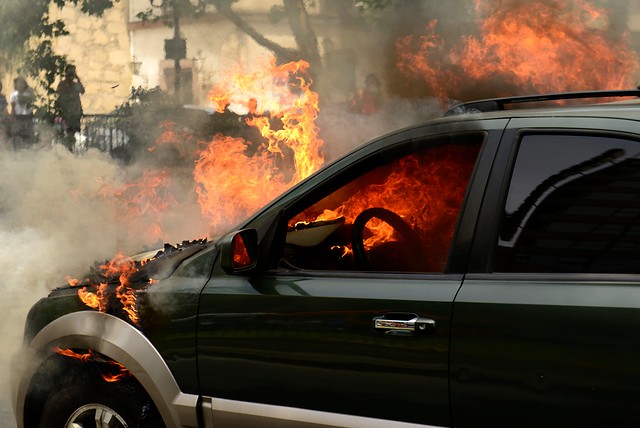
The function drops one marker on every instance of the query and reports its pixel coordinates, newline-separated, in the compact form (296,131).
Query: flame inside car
(435,196)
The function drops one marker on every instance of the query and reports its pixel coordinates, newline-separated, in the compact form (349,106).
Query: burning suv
(479,269)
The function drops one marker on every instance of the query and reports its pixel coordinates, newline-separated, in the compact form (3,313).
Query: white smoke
(343,131)
(55,222)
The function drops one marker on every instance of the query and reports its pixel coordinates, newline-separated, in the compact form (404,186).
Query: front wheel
(100,404)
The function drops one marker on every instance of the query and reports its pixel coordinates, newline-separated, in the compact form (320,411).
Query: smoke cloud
(55,222)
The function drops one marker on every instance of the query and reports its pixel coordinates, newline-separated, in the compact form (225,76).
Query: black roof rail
(497,104)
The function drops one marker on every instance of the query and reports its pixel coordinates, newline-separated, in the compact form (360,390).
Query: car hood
(144,267)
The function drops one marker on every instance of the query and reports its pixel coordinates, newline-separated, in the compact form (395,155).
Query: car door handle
(401,323)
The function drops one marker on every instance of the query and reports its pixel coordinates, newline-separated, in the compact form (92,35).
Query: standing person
(21,100)
(3,102)
(3,118)
(69,103)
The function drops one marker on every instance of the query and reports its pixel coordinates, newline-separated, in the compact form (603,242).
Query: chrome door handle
(403,324)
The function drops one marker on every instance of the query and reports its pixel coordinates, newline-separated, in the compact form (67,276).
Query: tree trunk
(281,53)
(300,24)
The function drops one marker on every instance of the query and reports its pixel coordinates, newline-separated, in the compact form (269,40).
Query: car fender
(122,342)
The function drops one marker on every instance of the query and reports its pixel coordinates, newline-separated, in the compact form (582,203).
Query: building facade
(120,51)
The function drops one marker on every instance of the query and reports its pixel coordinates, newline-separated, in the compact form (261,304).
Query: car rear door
(316,340)
(545,333)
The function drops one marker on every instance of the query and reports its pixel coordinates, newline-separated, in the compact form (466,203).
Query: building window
(187,80)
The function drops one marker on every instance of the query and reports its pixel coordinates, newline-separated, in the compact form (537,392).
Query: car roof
(592,104)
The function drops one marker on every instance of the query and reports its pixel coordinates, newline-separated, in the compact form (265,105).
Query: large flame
(237,176)
(232,176)
(524,47)
(230,183)
(436,183)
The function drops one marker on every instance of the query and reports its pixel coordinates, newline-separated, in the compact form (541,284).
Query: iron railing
(105,132)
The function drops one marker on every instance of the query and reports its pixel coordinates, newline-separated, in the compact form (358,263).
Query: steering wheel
(389,217)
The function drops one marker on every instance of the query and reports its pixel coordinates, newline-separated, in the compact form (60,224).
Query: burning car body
(484,259)
(406,266)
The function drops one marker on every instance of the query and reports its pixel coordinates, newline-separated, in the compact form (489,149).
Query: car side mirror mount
(239,251)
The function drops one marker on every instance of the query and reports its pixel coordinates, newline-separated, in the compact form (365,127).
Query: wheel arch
(122,342)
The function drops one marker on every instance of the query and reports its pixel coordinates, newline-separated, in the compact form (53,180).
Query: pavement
(7,420)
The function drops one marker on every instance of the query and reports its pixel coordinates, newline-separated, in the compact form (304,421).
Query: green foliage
(140,117)
(26,37)
(90,7)
(141,99)
(44,65)
(19,20)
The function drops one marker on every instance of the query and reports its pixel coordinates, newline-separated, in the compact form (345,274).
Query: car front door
(351,326)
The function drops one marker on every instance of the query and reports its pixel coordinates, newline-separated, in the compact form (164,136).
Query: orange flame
(231,182)
(169,136)
(118,370)
(122,267)
(270,86)
(558,46)
(144,200)
(436,183)
(96,300)
(232,185)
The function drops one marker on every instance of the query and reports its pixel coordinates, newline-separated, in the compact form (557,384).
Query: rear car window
(573,205)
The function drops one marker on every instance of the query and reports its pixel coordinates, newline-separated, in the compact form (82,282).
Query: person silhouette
(69,104)
(21,100)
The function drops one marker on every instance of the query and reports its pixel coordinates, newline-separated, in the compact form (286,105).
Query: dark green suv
(480,269)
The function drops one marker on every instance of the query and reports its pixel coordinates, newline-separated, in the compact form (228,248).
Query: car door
(548,334)
(329,338)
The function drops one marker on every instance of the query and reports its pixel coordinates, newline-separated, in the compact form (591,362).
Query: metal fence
(104,132)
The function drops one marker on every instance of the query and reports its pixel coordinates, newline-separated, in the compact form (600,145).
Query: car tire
(118,404)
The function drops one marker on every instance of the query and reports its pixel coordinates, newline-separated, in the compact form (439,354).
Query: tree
(299,21)
(390,15)
(26,36)
(294,10)
(27,33)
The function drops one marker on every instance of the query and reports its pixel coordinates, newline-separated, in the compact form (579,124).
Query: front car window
(398,216)
(573,206)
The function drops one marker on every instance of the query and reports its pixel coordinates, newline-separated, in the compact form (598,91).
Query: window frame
(375,159)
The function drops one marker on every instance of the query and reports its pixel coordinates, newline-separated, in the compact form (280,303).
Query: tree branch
(282,54)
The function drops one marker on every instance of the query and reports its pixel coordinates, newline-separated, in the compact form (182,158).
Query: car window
(398,216)
(573,205)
